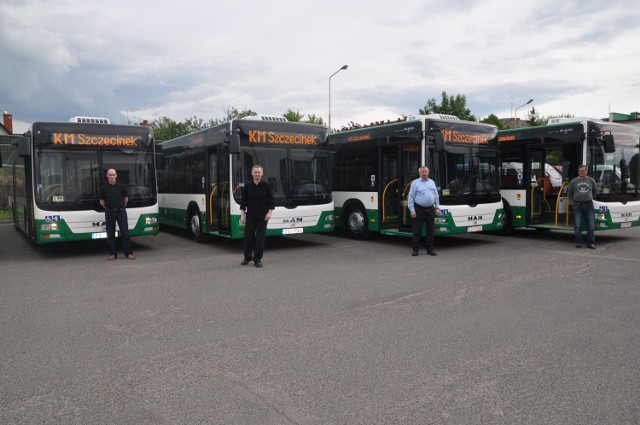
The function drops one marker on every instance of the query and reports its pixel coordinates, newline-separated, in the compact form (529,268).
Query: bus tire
(508,220)
(194,226)
(356,223)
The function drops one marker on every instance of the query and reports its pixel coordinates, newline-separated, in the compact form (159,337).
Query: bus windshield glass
(296,176)
(617,174)
(70,180)
(467,175)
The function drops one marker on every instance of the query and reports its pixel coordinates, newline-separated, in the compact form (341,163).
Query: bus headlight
(600,216)
(151,220)
(440,220)
(329,217)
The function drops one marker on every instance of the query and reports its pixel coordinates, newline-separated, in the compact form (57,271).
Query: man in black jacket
(114,198)
(257,204)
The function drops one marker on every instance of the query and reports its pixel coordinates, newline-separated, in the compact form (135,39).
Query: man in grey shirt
(581,191)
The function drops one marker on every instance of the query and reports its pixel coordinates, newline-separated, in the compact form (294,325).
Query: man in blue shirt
(424,204)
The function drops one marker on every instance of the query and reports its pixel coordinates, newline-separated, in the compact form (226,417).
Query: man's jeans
(584,212)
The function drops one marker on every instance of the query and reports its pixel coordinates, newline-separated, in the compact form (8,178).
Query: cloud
(131,61)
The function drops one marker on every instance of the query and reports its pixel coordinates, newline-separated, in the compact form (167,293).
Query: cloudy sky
(141,59)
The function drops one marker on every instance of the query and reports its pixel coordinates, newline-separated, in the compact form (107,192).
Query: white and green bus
(375,165)
(204,172)
(538,163)
(57,174)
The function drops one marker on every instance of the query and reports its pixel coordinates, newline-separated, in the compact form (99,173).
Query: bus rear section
(204,172)
(374,167)
(59,172)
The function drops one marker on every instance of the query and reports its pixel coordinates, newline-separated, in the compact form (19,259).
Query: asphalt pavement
(525,329)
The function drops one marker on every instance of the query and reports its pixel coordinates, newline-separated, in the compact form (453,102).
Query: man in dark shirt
(257,204)
(114,198)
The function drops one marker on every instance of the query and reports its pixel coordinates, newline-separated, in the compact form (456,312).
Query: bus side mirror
(607,141)
(438,139)
(234,144)
(22,143)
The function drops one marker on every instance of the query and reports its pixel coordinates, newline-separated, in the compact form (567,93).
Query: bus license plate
(292,231)
(625,225)
(101,235)
(474,229)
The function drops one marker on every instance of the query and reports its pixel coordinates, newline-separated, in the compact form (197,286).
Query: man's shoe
(131,257)
(433,253)
(258,264)
(111,257)
(414,254)
(245,262)
(578,245)
(592,246)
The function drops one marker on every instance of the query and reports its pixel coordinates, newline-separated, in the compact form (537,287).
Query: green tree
(165,128)
(493,119)
(450,105)
(533,117)
(193,124)
(233,113)
(313,119)
(294,116)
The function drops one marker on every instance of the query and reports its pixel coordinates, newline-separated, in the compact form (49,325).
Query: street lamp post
(515,122)
(343,67)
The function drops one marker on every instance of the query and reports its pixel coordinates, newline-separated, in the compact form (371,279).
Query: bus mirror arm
(234,143)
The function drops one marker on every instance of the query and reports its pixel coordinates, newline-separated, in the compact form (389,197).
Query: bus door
(218,205)
(399,167)
(547,194)
(536,193)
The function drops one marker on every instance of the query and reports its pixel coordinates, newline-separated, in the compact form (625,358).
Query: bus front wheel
(357,227)
(194,225)
(508,220)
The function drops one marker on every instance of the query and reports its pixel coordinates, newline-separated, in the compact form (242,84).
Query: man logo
(292,220)
(474,218)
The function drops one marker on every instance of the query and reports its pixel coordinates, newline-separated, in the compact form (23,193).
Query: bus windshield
(617,174)
(296,176)
(469,175)
(70,180)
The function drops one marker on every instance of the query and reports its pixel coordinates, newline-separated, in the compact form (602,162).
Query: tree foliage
(164,128)
(493,119)
(533,117)
(314,119)
(450,105)
(296,116)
